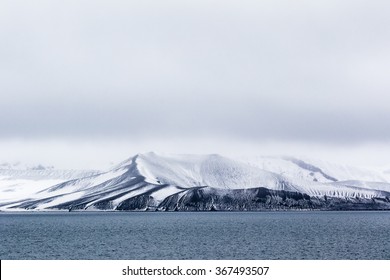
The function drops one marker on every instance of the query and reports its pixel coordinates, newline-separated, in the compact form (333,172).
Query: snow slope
(317,170)
(204,170)
(22,183)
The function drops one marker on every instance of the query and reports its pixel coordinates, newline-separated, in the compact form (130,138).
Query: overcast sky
(87,82)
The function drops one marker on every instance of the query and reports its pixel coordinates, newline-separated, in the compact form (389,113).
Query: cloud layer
(253,70)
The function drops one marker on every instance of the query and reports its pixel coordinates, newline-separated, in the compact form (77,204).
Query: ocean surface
(197,235)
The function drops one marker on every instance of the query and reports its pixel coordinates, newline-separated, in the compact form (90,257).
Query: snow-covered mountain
(21,182)
(202,182)
(318,170)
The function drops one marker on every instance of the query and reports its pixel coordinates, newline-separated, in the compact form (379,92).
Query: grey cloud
(247,69)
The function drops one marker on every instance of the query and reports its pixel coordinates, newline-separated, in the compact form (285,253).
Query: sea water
(195,235)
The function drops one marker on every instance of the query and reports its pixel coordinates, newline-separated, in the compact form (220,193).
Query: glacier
(165,182)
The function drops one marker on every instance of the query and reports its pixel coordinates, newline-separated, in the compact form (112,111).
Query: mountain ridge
(204,182)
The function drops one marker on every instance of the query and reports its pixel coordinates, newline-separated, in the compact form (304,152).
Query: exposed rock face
(258,199)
